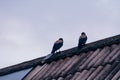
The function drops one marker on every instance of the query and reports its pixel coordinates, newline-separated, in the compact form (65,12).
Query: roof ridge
(66,53)
(90,46)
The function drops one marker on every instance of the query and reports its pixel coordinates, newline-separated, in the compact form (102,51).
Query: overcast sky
(28,28)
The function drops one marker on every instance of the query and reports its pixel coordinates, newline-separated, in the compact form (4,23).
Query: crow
(57,45)
(82,40)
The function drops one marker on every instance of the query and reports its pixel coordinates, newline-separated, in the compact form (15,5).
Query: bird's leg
(55,52)
(59,51)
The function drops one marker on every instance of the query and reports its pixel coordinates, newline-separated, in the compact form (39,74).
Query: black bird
(82,40)
(57,45)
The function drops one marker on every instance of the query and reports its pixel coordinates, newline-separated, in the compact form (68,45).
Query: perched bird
(57,45)
(82,40)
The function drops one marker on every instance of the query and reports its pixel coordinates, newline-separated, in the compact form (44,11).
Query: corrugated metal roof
(100,63)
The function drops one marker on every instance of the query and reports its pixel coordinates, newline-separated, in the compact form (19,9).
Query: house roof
(19,67)
(99,60)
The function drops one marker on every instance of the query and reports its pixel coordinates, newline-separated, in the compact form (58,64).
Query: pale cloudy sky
(28,28)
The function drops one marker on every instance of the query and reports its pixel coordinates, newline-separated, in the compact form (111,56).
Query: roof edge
(66,53)
(19,67)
